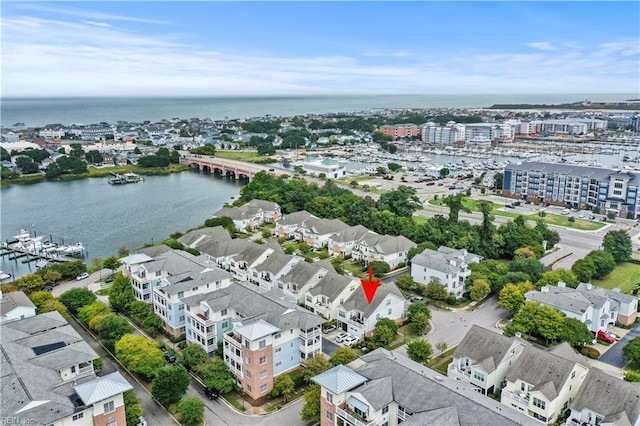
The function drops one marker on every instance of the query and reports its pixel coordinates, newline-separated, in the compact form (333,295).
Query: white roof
(134,259)
(256,330)
(339,379)
(102,388)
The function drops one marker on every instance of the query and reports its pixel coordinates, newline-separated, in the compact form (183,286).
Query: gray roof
(189,280)
(444,259)
(295,218)
(256,329)
(560,297)
(387,244)
(102,388)
(325,226)
(248,210)
(358,299)
(275,262)
(605,293)
(229,248)
(353,233)
(12,300)
(135,259)
(339,379)
(597,173)
(378,392)
(198,236)
(252,304)
(609,396)
(155,251)
(484,347)
(264,205)
(331,285)
(303,272)
(251,253)
(422,394)
(546,371)
(177,262)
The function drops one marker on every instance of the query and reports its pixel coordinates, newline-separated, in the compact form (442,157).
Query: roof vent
(519,335)
(439,378)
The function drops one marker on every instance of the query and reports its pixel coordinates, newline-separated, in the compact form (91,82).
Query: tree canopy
(140,354)
(419,350)
(618,243)
(215,375)
(170,384)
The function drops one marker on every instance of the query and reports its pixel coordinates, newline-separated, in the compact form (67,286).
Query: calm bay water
(105,217)
(41,111)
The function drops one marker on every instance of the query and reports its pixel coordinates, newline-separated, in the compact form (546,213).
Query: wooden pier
(15,253)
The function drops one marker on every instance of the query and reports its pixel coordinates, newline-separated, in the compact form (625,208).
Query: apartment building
(328,293)
(502,133)
(449,266)
(447,135)
(391,249)
(317,232)
(48,377)
(578,186)
(263,334)
(343,243)
(383,388)
(400,131)
(254,213)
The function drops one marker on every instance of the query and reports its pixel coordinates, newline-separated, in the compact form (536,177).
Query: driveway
(59,289)
(328,347)
(614,355)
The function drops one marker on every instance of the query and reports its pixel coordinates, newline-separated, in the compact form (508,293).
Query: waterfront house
(449,266)
(605,400)
(168,295)
(239,256)
(382,388)
(358,317)
(288,224)
(48,376)
(251,215)
(202,236)
(264,336)
(390,249)
(15,306)
(51,131)
(542,384)
(483,359)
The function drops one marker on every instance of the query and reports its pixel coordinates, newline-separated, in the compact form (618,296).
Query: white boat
(75,249)
(4,276)
(24,235)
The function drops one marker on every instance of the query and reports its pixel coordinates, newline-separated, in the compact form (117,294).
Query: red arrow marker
(370,286)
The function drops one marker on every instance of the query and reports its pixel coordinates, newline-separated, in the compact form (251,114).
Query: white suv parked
(350,340)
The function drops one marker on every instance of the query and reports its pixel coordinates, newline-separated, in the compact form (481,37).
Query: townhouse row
(546,385)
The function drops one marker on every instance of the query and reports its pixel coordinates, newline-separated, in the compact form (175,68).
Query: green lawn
(248,156)
(582,224)
(624,277)
(355,270)
(348,180)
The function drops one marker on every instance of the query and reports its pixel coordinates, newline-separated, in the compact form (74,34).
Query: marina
(122,179)
(34,248)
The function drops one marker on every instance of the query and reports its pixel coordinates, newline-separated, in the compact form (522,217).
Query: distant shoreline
(628,105)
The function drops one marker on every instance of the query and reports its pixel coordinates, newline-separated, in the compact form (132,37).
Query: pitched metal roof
(102,388)
(339,379)
(256,329)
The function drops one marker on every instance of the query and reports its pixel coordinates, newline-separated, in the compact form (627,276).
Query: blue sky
(300,48)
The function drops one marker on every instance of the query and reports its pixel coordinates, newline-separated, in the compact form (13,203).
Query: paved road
(451,327)
(153,412)
(614,355)
(328,347)
(59,289)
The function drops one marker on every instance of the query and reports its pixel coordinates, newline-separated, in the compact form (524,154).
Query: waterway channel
(105,217)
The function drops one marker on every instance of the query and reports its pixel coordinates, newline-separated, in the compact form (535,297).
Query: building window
(109,407)
(247,344)
(263,388)
(573,374)
(248,374)
(263,359)
(263,374)
(73,369)
(329,397)
(223,312)
(389,311)
(112,423)
(385,410)
(249,388)
(262,344)
(478,376)
(77,416)
(329,416)
(278,364)
(539,403)
(278,350)
(277,336)
(388,302)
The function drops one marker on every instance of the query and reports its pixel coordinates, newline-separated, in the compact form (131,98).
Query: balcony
(463,372)
(347,416)
(311,333)
(322,309)
(233,340)
(358,321)
(519,397)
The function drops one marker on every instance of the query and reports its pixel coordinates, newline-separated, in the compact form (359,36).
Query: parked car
(509,206)
(611,334)
(169,357)
(581,215)
(565,212)
(141,421)
(350,340)
(110,279)
(341,337)
(592,217)
(82,276)
(47,287)
(516,203)
(602,335)
(417,299)
(211,393)
(430,183)
(328,329)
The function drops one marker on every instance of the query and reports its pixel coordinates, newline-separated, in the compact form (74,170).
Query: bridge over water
(233,169)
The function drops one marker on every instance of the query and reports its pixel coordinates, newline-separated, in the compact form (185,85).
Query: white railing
(352,420)
(516,397)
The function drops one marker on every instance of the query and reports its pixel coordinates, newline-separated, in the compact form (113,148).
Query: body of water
(104,217)
(40,111)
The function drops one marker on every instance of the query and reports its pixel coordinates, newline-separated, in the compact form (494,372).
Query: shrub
(632,376)
(452,300)
(592,353)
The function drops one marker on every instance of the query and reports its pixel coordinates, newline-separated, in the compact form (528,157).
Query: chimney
(562,284)
(589,286)
(544,289)
(519,335)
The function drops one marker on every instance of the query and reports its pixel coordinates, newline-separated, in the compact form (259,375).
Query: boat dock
(130,177)
(15,253)
(36,249)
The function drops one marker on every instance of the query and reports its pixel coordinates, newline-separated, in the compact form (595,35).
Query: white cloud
(85,14)
(541,45)
(49,57)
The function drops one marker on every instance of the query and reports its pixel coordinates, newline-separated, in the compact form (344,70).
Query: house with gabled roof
(48,376)
(447,265)
(391,249)
(483,359)
(317,232)
(358,317)
(15,305)
(543,383)
(202,236)
(383,388)
(267,273)
(342,244)
(332,290)
(302,277)
(627,309)
(254,213)
(606,401)
(288,224)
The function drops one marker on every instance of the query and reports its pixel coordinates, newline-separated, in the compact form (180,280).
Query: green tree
(283,386)
(27,165)
(549,322)
(132,408)
(215,375)
(442,346)
(139,311)
(631,351)
(51,276)
(121,293)
(343,355)
(394,167)
(479,289)
(170,384)
(379,267)
(76,150)
(444,172)
(416,308)
(152,324)
(30,283)
(419,350)
(93,157)
(311,408)
(498,178)
(174,157)
(402,201)
(420,323)
(406,282)
(111,262)
(315,365)
(531,267)
(604,263)
(110,328)
(39,298)
(76,298)
(584,269)
(194,355)
(190,410)
(384,332)
(92,313)
(575,333)
(436,290)
(140,354)
(553,277)
(524,320)
(455,204)
(512,296)
(618,243)
(55,305)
